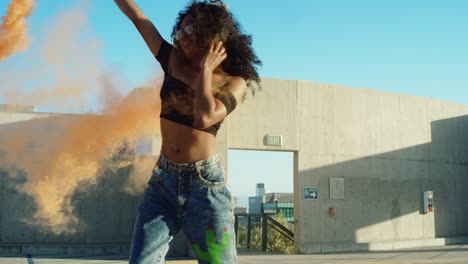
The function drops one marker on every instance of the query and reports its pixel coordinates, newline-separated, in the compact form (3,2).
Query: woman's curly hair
(215,23)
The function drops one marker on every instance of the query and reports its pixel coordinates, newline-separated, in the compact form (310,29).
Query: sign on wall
(273,140)
(336,188)
(311,193)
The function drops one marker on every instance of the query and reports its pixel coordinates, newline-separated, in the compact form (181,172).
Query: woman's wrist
(206,70)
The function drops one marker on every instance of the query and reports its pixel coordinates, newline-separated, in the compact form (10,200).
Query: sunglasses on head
(188,30)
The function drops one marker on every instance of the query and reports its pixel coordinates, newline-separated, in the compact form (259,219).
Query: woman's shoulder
(232,80)
(236,85)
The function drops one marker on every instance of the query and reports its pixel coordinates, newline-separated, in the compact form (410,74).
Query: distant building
(272,203)
(282,203)
(241,210)
(255,204)
(260,189)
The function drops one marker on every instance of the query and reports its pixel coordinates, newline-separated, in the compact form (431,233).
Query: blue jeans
(190,196)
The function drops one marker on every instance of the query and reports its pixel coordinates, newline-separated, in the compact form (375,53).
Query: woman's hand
(214,57)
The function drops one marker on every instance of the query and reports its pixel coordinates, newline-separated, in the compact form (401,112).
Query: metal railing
(266,222)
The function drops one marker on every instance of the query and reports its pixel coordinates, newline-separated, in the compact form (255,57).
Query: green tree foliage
(276,241)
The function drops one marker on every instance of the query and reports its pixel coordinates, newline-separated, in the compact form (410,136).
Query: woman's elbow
(204,121)
(201,122)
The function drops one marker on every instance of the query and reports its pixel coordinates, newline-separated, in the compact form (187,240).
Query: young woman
(207,69)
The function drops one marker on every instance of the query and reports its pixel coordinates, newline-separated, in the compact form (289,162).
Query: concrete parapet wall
(385,148)
(379,246)
(105,207)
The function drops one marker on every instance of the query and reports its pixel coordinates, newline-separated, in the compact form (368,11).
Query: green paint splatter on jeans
(215,251)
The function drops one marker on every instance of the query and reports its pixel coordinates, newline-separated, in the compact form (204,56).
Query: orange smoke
(63,69)
(61,152)
(13,28)
(88,142)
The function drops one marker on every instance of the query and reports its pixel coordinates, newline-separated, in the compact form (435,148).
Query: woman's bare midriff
(183,144)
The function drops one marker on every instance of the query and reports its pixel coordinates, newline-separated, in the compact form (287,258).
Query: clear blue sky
(417,47)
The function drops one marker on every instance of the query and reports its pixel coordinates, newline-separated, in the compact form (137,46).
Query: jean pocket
(212,177)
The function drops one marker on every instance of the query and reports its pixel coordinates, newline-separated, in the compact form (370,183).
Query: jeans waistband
(165,163)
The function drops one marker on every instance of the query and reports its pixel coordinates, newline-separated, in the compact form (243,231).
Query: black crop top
(177,99)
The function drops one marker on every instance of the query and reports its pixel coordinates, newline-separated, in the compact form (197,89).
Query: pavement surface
(454,254)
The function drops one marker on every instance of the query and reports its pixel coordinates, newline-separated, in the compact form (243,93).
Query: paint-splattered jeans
(190,196)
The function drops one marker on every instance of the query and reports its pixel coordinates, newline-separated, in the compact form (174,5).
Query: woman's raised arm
(146,28)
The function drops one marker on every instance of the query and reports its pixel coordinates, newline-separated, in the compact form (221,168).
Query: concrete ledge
(65,250)
(80,249)
(318,248)
(10,249)
(43,249)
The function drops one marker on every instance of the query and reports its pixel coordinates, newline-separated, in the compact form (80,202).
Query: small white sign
(337,188)
(311,193)
(273,140)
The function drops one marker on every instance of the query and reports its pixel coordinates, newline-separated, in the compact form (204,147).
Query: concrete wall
(387,148)
(6,118)
(105,209)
